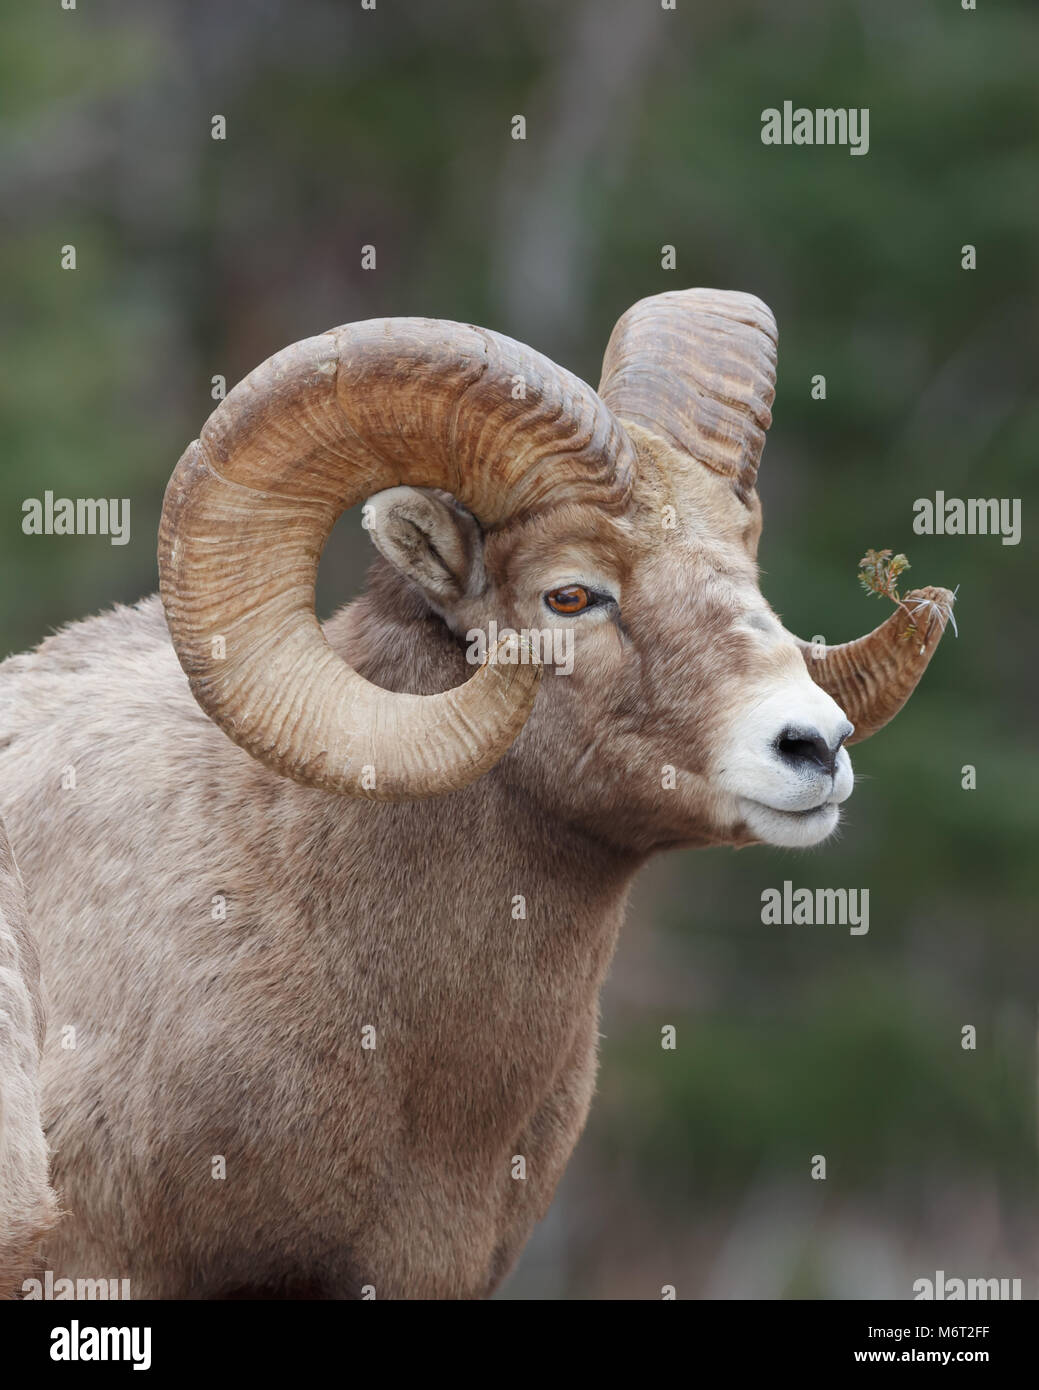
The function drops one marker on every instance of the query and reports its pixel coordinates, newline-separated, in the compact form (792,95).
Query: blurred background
(391,128)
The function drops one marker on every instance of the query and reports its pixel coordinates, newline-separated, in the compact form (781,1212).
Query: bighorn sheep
(27,1207)
(324,994)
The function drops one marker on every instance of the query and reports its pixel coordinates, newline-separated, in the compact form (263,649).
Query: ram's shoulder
(117,634)
(121,659)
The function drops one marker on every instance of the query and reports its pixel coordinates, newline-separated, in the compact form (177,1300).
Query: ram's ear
(430,539)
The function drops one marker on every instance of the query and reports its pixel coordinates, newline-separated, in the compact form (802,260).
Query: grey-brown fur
(27,1207)
(198,1039)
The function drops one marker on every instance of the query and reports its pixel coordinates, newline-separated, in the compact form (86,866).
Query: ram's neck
(487,857)
(469,931)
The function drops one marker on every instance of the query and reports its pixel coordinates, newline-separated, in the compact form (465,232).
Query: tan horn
(697,368)
(318,427)
(872,677)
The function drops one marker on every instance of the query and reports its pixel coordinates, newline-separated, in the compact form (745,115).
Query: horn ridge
(698,368)
(319,426)
(872,677)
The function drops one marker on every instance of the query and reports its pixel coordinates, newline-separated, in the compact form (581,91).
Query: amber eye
(573,599)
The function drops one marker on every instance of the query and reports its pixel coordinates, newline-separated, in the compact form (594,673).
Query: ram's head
(623,523)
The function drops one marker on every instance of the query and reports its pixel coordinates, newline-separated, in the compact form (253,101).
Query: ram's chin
(790,829)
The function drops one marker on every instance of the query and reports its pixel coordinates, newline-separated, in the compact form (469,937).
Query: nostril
(801,746)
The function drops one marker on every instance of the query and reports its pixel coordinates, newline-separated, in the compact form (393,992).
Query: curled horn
(872,677)
(318,427)
(697,368)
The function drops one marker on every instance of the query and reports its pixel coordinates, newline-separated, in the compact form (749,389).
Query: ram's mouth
(830,804)
(790,829)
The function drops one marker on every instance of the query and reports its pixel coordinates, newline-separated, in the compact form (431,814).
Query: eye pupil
(572,599)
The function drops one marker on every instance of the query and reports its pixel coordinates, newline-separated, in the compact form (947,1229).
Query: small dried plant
(879,572)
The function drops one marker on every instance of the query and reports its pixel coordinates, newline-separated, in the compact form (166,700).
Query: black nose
(800,747)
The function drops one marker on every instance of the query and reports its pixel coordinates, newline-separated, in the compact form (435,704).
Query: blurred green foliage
(198,257)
